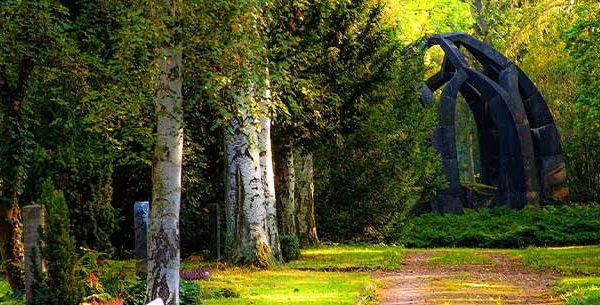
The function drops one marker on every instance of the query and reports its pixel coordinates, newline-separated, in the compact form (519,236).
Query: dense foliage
(63,283)
(504,228)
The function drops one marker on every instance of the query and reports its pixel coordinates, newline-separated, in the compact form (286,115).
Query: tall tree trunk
(305,200)
(247,238)
(267,175)
(163,226)
(286,190)
(471,159)
(11,246)
(12,252)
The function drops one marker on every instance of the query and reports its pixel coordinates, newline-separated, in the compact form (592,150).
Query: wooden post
(33,220)
(215,234)
(141,210)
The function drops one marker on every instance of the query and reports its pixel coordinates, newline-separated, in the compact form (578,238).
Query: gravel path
(504,282)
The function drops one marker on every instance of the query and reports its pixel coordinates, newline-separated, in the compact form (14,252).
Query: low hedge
(504,228)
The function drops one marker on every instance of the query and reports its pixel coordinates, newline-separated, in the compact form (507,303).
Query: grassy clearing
(286,286)
(460,257)
(581,265)
(317,278)
(350,257)
(567,260)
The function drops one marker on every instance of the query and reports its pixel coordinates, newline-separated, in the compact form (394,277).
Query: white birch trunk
(305,200)
(247,239)
(286,191)
(268,175)
(163,226)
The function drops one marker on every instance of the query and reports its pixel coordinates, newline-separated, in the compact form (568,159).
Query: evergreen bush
(290,247)
(503,228)
(63,284)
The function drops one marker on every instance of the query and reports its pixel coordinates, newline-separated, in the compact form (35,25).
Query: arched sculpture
(520,147)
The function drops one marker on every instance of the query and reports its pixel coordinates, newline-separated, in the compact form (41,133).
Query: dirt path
(502,281)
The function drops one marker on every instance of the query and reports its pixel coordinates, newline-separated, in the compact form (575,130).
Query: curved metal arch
(547,146)
(509,151)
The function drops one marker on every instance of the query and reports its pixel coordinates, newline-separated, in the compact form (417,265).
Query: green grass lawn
(459,257)
(566,260)
(350,257)
(320,280)
(287,286)
(580,265)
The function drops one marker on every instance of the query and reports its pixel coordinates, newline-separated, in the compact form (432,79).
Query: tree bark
(11,246)
(247,238)
(163,226)
(286,190)
(267,175)
(305,200)
(12,253)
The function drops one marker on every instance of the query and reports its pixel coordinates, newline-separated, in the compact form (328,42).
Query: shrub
(503,228)
(290,247)
(63,284)
(189,293)
(135,293)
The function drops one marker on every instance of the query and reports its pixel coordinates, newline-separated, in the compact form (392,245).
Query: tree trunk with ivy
(14,162)
(163,226)
(11,246)
(268,175)
(305,200)
(247,239)
(286,188)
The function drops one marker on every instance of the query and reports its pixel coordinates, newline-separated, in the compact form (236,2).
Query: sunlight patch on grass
(284,286)
(367,257)
(567,260)
(580,291)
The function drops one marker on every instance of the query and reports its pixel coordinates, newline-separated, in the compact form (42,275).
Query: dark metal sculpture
(520,147)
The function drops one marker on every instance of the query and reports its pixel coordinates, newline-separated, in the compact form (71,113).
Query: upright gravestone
(33,220)
(141,210)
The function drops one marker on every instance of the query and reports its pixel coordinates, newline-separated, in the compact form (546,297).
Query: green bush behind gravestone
(63,284)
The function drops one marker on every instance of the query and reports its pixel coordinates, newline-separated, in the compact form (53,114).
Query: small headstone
(141,210)
(33,220)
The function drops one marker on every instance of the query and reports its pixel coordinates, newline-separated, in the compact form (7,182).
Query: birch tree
(163,226)
(267,172)
(247,240)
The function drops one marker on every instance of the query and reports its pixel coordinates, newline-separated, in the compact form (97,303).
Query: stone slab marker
(141,210)
(33,220)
